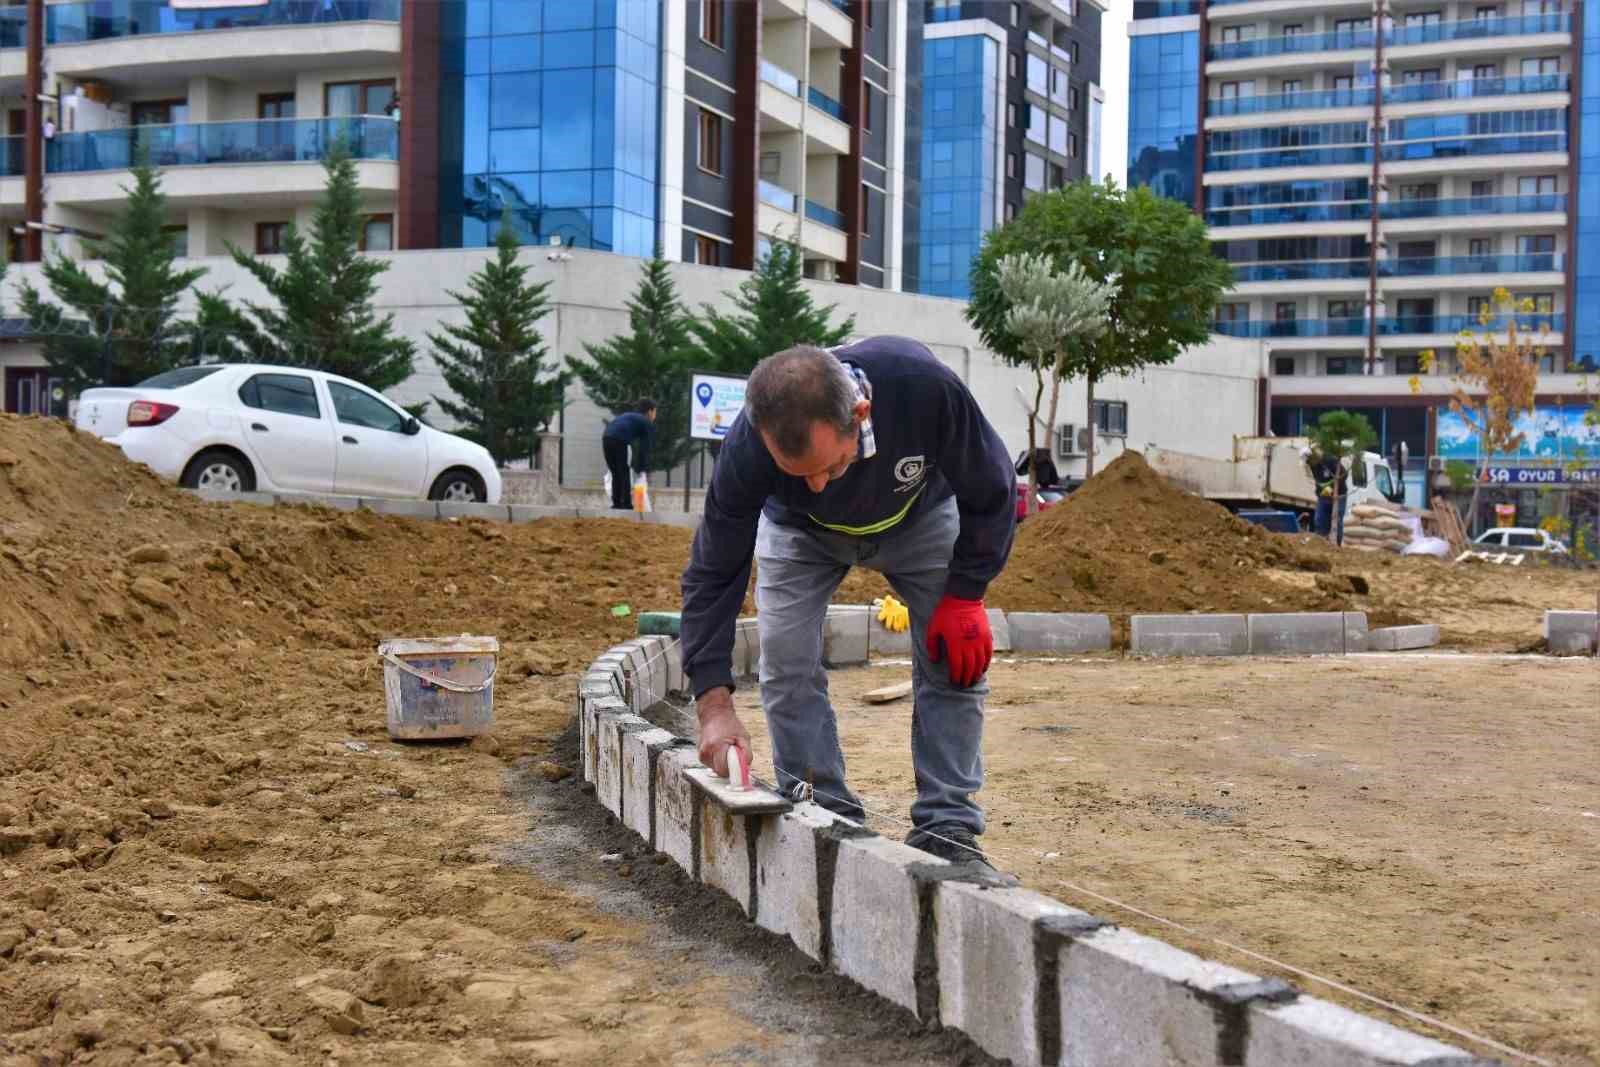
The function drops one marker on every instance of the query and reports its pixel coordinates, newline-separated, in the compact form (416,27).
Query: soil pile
(1130,541)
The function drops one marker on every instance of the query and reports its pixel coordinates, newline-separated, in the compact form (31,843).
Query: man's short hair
(644,405)
(790,391)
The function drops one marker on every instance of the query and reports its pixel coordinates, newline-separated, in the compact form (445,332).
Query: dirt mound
(1130,541)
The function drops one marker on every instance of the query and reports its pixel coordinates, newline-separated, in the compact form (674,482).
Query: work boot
(954,842)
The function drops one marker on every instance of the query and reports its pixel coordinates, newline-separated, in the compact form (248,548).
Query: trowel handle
(738,767)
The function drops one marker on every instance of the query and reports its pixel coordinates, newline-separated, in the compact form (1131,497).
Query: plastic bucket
(439,687)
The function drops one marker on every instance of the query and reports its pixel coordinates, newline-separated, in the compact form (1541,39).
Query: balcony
(205,143)
(1552,203)
(1261,103)
(1537,263)
(101,20)
(1409,325)
(826,215)
(777,196)
(1269,215)
(778,78)
(1300,270)
(14,26)
(1293,44)
(1294,157)
(1161,9)
(10,157)
(1459,147)
(1476,88)
(1477,30)
(825,103)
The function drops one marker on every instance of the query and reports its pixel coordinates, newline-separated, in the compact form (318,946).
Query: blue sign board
(1549,432)
(1555,474)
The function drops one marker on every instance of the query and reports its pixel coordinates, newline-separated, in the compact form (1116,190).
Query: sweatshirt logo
(909,472)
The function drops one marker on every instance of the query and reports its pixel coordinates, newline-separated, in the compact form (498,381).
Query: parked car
(243,427)
(1521,539)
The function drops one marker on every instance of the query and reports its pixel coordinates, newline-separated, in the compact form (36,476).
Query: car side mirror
(412,426)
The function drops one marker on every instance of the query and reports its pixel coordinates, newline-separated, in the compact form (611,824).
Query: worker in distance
(873,455)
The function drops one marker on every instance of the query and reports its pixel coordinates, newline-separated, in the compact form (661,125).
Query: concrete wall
(1196,405)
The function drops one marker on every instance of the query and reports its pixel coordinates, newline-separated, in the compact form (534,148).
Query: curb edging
(1026,977)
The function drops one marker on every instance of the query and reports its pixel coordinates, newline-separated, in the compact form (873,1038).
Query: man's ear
(862,409)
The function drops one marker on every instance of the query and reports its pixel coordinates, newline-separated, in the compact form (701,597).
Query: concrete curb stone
(1402,638)
(845,641)
(1055,631)
(1189,635)
(1569,631)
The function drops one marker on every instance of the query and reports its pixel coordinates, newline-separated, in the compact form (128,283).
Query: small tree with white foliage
(1050,309)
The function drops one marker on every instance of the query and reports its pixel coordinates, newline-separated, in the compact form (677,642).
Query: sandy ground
(1426,830)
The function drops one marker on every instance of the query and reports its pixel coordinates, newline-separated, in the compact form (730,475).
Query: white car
(242,427)
(1521,539)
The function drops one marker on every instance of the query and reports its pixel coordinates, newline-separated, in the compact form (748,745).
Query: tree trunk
(1055,404)
(1088,462)
(1335,523)
(1472,510)
(1031,505)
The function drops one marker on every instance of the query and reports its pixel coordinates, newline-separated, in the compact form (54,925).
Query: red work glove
(960,629)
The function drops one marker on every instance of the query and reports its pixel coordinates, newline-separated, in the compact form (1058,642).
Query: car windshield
(179,377)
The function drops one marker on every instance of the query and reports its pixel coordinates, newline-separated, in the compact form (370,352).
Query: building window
(377,233)
(1536,244)
(866,11)
(1342,309)
(707,250)
(1480,246)
(1233,312)
(1536,185)
(1285,311)
(1016,14)
(269,237)
(1013,64)
(1010,211)
(866,109)
(1408,365)
(709,152)
(711,22)
(1074,50)
(179,236)
(1011,115)
(1111,417)
(1345,365)
(1072,99)
(1011,164)
(1283,366)
(1058,176)
(1537,65)
(866,215)
(275,106)
(357,98)
(1543,303)
(1033,172)
(1483,189)
(1420,191)
(1477,305)
(1293,29)
(1072,146)
(1486,70)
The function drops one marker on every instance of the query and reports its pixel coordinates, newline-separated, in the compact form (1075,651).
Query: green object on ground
(622,611)
(664,623)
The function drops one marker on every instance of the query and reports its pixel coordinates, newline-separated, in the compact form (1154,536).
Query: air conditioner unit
(1067,441)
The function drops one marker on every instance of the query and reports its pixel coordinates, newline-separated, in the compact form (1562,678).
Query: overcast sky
(1114,80)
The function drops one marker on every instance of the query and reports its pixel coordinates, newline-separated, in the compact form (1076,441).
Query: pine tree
(774,312)
(494,362)
(126,328)
(652,360)
(324,318)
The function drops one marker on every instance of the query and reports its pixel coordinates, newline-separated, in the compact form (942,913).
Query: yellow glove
(894,615)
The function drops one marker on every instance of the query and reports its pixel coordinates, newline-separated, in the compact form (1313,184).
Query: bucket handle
(442,683)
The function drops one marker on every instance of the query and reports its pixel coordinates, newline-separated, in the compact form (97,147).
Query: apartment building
(1011,106)
(1374,169)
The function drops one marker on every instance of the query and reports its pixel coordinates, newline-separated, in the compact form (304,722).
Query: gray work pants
(798,570)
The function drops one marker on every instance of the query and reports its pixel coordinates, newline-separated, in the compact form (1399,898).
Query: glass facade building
(549,113)
(1586,250)
(959,148)
(1163,112)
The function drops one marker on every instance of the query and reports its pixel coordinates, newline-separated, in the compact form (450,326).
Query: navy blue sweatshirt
(932,443)
(634,429)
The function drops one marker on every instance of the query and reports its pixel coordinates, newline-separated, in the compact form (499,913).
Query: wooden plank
(888,693)
(757,800)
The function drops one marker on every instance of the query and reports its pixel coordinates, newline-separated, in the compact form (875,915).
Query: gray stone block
(405,509)
(1000,627)
(1314,1033)
(676,806)
(1400,638)
(1569,631)
(987,947)
(882,642)
(1308,633)
(459,509)
(530,513)
(673,661)
(608,761)
(321,500)
(671,518)
(844,635)
(876,915)
(786,876)
(1126,998)
(1190,635)
(638,811)
(214,496)
(606,513)
(595,710)
(646,671)
(725,851)
(1058,632)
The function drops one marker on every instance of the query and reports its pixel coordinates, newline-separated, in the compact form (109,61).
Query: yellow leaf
(1415,383)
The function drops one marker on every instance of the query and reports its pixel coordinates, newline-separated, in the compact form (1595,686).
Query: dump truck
(1272,473)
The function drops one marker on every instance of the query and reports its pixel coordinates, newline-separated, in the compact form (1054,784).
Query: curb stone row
(448,509)
(1026,977)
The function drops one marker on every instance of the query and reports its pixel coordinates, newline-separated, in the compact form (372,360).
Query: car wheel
(219,472)
(462,487)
